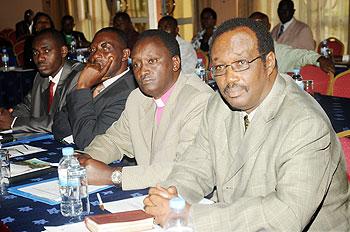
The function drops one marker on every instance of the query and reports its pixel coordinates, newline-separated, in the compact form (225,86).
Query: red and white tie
(51,93)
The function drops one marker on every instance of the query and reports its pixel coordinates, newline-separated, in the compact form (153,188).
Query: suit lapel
(146,123)
(257,130)
(58,93)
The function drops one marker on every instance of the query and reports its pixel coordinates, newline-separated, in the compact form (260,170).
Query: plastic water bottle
(325,51)
(72,185)
(5,59)
(200,69)
(177,220)
(298,78)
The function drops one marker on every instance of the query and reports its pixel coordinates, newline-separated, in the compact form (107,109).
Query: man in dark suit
(101,90)
(23,28)
(36,111)
(67,25)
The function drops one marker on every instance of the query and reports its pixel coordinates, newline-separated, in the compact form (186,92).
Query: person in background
(100,91)
(208,21)
(122,21)
(40,21)
(267,146)
(35,113)
(291,31)
(67,25)
(188,54)
(160,119)
(24,27)
(289,58)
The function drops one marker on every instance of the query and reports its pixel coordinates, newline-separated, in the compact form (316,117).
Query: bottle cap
(67,151)
(296,70)
(177,203)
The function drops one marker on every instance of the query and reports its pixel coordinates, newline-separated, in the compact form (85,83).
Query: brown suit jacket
(297,35)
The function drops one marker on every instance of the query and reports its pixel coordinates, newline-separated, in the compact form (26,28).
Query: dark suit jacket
(32,114)
(22,29)
(84,117)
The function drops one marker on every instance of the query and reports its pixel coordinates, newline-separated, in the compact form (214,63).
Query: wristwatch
(116,177)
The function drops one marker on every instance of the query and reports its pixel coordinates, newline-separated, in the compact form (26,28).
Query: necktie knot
(246,122)
(98,89)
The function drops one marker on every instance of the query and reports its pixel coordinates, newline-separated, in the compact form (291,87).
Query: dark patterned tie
(246,122)
(281,31)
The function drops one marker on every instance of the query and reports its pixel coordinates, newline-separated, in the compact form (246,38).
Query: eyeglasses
(236,66)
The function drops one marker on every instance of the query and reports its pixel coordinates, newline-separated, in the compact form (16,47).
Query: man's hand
(326,65)
(98,173)
(6,119)
(93,74)
(157,203)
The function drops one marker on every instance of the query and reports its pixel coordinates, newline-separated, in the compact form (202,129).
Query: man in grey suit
(100,91)
(35,113)
(267,146)
(160,119)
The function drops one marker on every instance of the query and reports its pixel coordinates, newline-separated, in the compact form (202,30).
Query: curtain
(326,18)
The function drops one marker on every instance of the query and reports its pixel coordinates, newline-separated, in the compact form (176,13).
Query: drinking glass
(5,173)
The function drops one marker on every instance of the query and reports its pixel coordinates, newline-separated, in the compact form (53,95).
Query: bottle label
(62,177)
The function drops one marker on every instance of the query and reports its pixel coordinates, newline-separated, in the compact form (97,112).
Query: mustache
(234,86)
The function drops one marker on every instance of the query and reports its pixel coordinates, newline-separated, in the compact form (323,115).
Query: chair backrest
(19,47)
(345,142)
(12,37)
(335,45)
(341,85)
(320,78)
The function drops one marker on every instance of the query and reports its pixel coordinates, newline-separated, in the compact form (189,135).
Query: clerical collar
(160,102)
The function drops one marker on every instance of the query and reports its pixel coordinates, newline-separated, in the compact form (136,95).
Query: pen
(25,146)
(100,202)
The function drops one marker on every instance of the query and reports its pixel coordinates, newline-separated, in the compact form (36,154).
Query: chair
(335,45)
(320,79)
(345,142)
(340,87)
(12,37)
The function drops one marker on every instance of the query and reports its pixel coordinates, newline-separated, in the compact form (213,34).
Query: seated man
(188,54)
(160,119)
(48,94)
(289,58)
(276,167)
(101,90)
(67,25)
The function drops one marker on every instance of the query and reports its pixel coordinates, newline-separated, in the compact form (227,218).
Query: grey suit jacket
(297,35)
(274,176)
(32,114)
(153,146)
(84,117)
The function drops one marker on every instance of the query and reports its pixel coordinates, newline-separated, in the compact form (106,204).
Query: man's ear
(126,54)
(270,62)
(176,63)
(64,51)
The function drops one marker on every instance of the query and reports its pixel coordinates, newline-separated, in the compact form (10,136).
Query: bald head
(261,17)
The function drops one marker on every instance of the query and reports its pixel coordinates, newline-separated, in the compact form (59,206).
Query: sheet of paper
(49,190)
(19,169)
(19,150)
(6,131)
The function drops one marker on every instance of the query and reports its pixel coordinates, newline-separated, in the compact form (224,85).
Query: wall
(12,11)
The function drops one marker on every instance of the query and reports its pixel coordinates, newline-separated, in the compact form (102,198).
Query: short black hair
(54,34)
(288,3)
(119,33)
(264,38)
(36,18)
(122,15)
(168,40)
(170,19)
(66,17)
(209,11)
